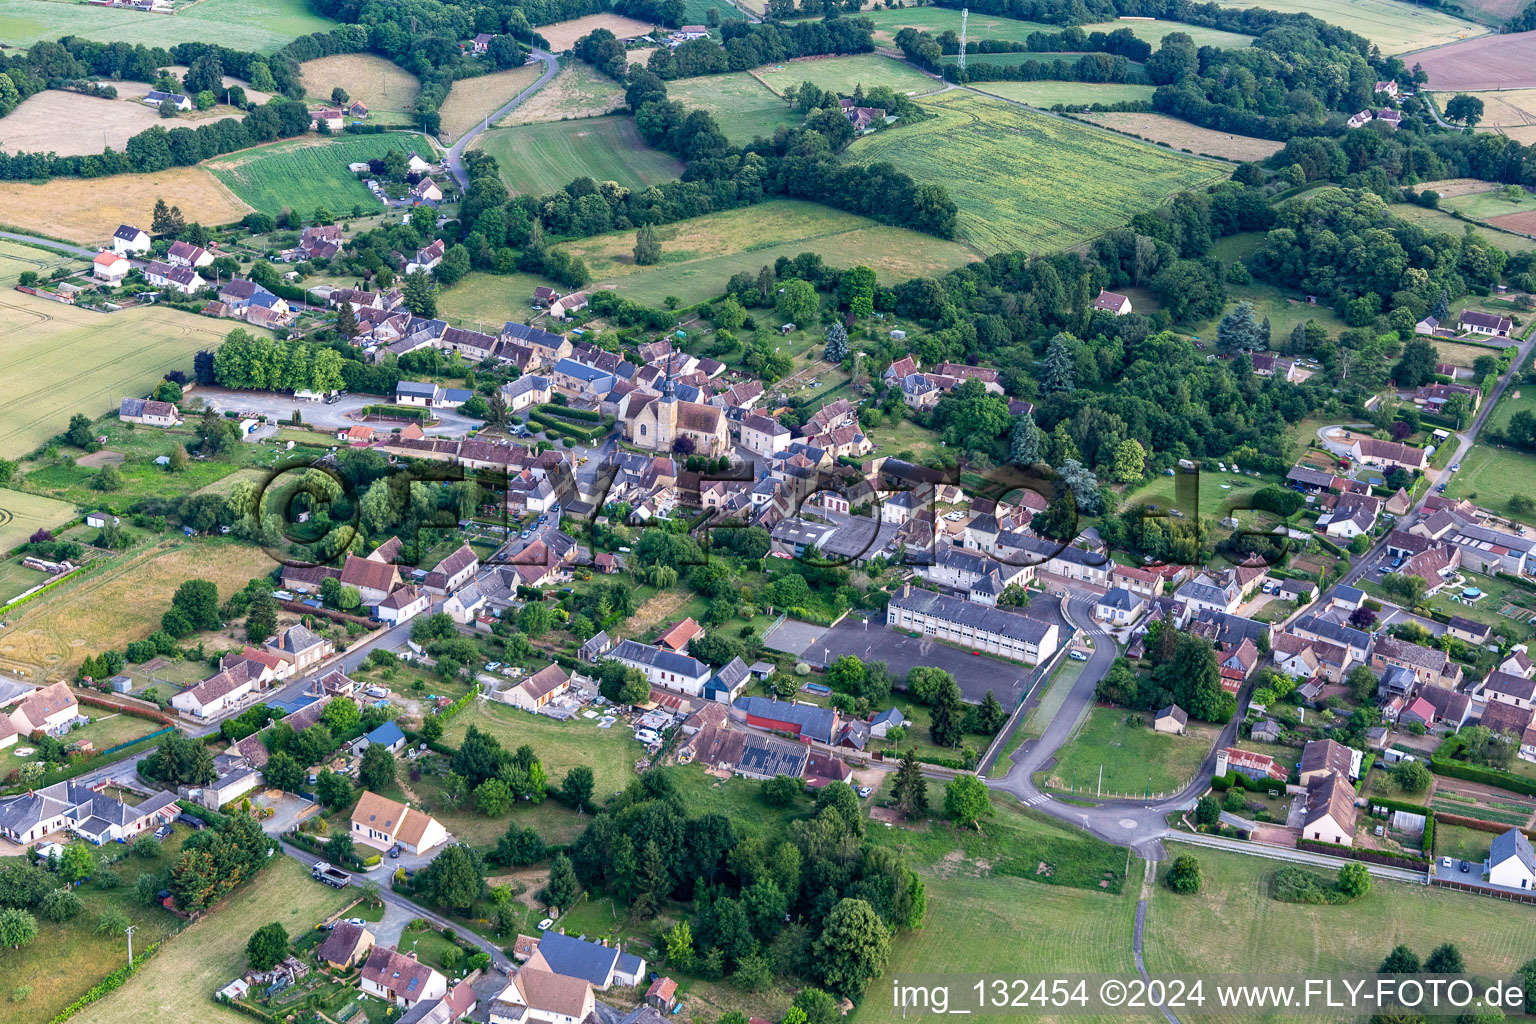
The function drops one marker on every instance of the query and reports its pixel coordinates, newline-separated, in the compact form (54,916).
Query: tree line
(742,46)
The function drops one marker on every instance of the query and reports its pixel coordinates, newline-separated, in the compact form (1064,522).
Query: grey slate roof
(578,958)
(991,620)
(1512,844)
(667,661)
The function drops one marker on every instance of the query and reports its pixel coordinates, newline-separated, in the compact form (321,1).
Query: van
(1077,655)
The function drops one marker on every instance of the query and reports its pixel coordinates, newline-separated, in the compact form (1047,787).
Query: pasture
(935,20)
(1486,63)
(740,102)
(88,210)
(387,90)
(577,91)
(1491,476)
(1490,205)
(122,602)
(73,124)
(308,172)
(22,515)
(842,74)
(1049,94)
(263,25)
(1395,27)
(699,256)
(539,158)
(1028,181)
(1181,134)
(177,984)
(562,35)
(1234,923)
(1132,757)
(471,100)
(61,360)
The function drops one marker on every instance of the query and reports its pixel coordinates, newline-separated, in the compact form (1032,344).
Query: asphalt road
(48,243)
(454,160)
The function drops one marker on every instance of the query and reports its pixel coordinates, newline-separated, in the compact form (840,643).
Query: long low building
(993,630)
(666,669)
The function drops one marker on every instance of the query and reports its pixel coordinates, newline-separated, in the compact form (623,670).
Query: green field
(1491,476)
(265,25)
(1395,27)
(1048,94)
(611,753)
(22,515)
(935,20)
(16,259)
(63,360)
(1027,181)
(305,173)
(1234,925)
(1134,758)
(842,74)
(1483,205)
(538,159)
(1439,220)
(743,105)
(178,983)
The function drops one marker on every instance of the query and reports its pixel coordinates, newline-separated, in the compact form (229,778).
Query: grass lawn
(109,728)
(743,105)
(1234,924)
(308,172)
(538,159)
(178,982)
(1483,205)
(62,360)
(1461,842)
(1492,475)
(265,25)
(611,753)
(699,256)
(1058,686)
(843,74)
(1395,27)
(124,601)
(141,479)
(1215,493)
(1029,181)
(1134,759)
(1439,220)
(22,515)
(1048,94)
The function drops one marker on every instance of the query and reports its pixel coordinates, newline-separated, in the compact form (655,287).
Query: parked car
(865,791)
(1077,655)
(394,851)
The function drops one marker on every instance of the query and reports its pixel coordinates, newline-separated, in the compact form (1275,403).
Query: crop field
(698,256)
(1181,134)
(61,360)
(1132,757)
(577,91)
(387,90)
(1439,220)
(1028,181)
(17,258)
(177,984)
(309,172)
(1234,923)
(842,74)
(562,35)
(1509,112)
(22,515)
(935,20)
(1492,13)
(539,158)
(73,124)
(1395,27)
(471,100)
(122,602)
(88,210)
(264,25)
(744,106)
(1486,63)
(1048,94)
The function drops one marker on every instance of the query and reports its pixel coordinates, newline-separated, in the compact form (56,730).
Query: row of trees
(246,362)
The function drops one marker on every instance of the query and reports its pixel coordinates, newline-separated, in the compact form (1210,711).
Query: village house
(1320,757)
(427,258)
(155,97)
(299,649)
(1430,666)
(1488,324)
(1119,607)
(538,689)
(1171,719)
(666,669)
(381,823)
(331,117)
(148,412)
(1258,767)
(374,580)
(181,279)
(403,604)
(219,692)
(537,996)
(566,306)
(1511,862)
(597,963)
(1112,302)
(427,191)
(1330,813)
(128,240)
(185,254)
(345,946)
(1369,451)
(110,267)
(76,807)
(399,979)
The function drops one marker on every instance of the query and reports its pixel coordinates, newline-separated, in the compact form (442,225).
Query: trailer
(332,876)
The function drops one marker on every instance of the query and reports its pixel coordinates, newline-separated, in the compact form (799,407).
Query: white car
(546,924)
(1077,655)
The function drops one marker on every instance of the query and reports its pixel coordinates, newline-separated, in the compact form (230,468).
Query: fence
(134,743)
(1485,890)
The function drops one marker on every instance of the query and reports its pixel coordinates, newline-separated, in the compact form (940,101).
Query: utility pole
(129,932)
(964,14)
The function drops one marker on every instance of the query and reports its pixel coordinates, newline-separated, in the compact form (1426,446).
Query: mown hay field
(122,602)
(88,210)
(61,360)
(699,256)
(577,91)
(471,100)
(740,102)
(1182,135)
(1030,181)
(562,35)
(264,25)
(539,158)
(386,89)
(842,74)
(305,173)
(73,124)
(1393,26)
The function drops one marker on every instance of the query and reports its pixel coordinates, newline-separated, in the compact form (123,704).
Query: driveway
(344,413)
(288,810)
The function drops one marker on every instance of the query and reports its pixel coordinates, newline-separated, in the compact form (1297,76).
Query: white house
(178,278)
(128,240)
(1511,862)
(400,979)
(380,822)
(218,693)
(538,689)
(542,997)
(403,604)
(664,668)
(110,267)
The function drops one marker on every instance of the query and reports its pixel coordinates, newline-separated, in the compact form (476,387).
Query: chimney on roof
(906,590)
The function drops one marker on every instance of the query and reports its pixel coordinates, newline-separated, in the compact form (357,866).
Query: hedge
(1479,824)
(111,983)
(1519,581)
(565,412)
(1443,763)
(310,844)
(248,1009)
(127,709)
(942,762)
(1369,856)
(214,818)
